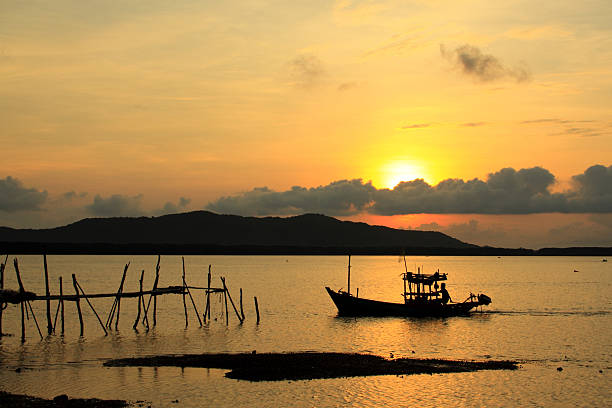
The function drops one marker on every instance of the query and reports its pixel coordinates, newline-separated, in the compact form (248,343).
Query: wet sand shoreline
(10,400)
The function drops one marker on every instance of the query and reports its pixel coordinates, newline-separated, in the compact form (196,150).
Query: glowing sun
(396,172)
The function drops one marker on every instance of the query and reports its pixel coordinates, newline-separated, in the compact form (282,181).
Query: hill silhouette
(203,231)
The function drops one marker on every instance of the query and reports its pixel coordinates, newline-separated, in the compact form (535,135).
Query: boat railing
(471,298)
(423,294)
(427,279)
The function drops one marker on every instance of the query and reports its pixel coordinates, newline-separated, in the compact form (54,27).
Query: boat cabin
(420,287)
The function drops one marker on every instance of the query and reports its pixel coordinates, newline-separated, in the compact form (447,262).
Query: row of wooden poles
(24,298)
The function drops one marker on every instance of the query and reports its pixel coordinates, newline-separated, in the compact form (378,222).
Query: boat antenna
(405,266)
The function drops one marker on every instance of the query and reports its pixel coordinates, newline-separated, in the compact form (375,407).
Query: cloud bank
(483,67)
(115,205)
(15,197)
(593,190)
(29,207)
(507,191)
(118,205)
(342,197)
(171,208)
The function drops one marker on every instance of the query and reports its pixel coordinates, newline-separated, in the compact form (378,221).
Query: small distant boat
(419,299)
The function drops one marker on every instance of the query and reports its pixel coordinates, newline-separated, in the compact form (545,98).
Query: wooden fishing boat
(423,296)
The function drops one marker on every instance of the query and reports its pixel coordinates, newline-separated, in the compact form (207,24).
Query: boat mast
(418,284)
(405,277)
(348,290)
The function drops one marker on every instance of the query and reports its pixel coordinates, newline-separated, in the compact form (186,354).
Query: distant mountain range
(204,231)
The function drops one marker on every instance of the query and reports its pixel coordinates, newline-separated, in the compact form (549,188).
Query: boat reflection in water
(423,296)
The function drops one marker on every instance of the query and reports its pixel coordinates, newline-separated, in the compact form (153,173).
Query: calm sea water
(543,314)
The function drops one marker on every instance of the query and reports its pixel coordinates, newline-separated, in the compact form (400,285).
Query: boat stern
(483,299)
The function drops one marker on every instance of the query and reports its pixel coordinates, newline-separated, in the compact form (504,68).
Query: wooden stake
(60,304)
(230,298)
(225,297)
(49,325)
(145,315)
(21,290)
(16,264)
(61,300)
(208,300)
(34,317)
(155,287)
(190,297)
(119,292)
(256,308)
(2,267)
(207,309)
(145,310)
(152,297)
(111,313)
(92,309)
(241,308)
(78,303)
(140,301)
(194,305)
(184,291)
(23,334)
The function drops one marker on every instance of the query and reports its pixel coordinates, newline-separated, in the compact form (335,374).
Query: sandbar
(311,365)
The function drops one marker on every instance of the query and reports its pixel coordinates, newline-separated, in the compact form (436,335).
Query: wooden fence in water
(146,311)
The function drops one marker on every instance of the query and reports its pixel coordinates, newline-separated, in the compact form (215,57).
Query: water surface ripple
(543,314)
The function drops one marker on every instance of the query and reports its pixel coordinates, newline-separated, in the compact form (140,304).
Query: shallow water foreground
(543,314)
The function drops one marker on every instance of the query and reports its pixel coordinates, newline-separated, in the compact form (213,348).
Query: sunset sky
(497,117)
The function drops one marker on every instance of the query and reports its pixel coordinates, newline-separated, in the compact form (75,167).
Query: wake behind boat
(419,299)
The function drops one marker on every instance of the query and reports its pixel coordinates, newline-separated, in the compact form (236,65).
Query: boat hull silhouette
(349,305)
